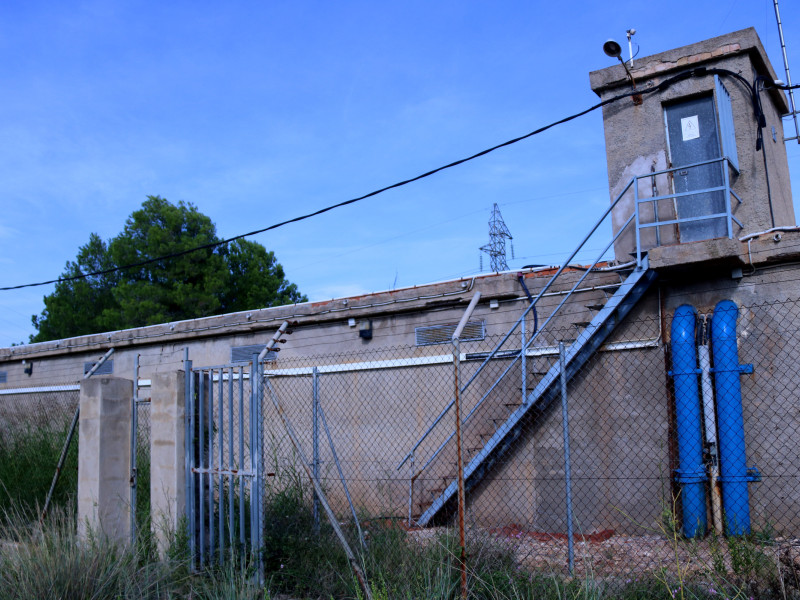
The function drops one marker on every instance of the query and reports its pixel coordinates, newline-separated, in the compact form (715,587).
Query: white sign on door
(690,128)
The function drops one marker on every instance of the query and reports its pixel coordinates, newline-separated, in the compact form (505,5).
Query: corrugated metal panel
(443,334)
(245,353)
(726,129)
(107,368)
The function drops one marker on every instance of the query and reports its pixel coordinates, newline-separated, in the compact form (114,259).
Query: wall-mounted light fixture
(494,304)
(28,370)
(614,50)
(351,322)
(365,330)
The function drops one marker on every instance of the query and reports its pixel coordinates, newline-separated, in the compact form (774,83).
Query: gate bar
(201,392)
(220,450)
(241,454)
(231,480)
(211,466)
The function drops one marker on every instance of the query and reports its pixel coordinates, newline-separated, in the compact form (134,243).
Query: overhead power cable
(697,72)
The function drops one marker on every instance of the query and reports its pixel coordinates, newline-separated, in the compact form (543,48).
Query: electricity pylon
(496,248)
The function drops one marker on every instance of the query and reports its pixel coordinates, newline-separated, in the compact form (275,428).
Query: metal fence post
(410,489)
(638,222)
(460,475)
(134,444)
(460,462)
(567,470)
(189,460)
(315,439)
(257,382)
(524,360)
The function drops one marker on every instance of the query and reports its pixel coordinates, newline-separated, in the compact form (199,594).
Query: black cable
(328,208)
(762,122)
(696,72)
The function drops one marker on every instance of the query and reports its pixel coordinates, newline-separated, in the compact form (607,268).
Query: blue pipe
(733,473)
(691,473)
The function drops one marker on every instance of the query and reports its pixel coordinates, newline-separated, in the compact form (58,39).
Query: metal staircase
(499,416)
(481,459)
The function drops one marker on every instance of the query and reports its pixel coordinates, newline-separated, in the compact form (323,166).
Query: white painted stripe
(368,366)
(448,358)
(39,390)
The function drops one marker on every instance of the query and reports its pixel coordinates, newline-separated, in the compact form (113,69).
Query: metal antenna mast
(496,248)
(792,105)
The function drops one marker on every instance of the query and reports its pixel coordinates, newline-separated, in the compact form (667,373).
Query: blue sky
(260,111)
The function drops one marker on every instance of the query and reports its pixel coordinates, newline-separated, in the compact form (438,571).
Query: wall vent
(443,334)
(3,376)
(107,368)
(245,353)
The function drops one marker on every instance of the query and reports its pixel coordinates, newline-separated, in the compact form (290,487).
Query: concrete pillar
(104,458)
(167,455)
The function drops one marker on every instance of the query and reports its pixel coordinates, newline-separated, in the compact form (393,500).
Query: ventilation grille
(245,353)
(443,334)
(107,368)
(3,376)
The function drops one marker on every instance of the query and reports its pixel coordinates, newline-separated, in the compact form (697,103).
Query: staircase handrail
(525,346)
(517,323)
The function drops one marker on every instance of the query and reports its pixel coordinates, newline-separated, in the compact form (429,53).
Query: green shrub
(28,460)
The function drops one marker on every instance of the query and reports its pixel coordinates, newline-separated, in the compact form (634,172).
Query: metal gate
(224,463)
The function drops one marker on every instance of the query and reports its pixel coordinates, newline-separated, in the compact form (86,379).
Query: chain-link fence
(33,428)
(140,463)
(376,427)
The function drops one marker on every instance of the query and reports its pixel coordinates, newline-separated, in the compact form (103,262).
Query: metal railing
(525,343)
(677,221)
(635,221)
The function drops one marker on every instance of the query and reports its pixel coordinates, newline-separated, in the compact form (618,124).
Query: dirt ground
(605,554)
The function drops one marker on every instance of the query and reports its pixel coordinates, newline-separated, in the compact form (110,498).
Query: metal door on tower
(693,138)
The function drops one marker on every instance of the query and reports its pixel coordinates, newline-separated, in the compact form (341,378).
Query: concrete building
(702,211)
